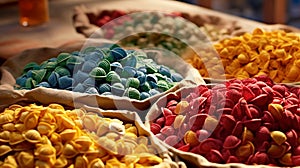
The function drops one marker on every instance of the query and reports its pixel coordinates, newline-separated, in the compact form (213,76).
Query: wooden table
(59,30)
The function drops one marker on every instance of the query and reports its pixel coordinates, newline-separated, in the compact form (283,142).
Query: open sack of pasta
(238,123)
(34,133)
(266,50)
(152,24)
(96,74)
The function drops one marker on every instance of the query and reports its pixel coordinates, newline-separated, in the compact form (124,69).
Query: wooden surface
(59,30)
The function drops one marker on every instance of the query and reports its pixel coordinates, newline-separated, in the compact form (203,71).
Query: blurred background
(267,11)
(60,30)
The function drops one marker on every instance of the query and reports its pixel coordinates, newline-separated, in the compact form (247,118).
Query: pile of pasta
(271,53)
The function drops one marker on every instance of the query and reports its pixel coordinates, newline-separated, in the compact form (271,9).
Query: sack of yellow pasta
(37,134)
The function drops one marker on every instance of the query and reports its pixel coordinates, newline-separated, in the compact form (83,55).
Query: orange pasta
(272,53)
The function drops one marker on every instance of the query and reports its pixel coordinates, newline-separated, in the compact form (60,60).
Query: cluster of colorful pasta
(272,53)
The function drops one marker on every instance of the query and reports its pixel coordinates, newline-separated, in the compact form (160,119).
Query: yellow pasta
(273,53)
(51,136)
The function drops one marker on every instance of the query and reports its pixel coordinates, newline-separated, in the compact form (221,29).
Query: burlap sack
(194,159)
(170,160)
(85,18)
(12,68)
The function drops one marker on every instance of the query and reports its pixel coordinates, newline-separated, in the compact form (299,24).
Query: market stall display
(133,95)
